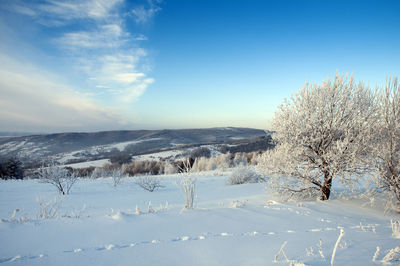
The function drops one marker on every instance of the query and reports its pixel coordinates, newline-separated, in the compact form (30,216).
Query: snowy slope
(108,232)
(102,145)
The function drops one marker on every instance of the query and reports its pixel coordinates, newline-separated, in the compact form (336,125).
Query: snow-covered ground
(174,154)
(96,163)
(231,225)
(95,150)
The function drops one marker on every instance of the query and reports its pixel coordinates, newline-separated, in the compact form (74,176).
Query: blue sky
(94,65)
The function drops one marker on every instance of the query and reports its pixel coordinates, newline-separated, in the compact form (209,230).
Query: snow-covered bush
(57,176)
(395,228)
(242,175)
(117,175)
(393,255)
(204,164)
(385,144)
(148,183)
(170,168)
(98,172)
(240,159)
(320,135)
(47,209)
(224,161)
(188,185)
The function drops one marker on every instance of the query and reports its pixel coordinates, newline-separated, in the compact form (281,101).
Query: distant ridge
(19,134)
(103,144)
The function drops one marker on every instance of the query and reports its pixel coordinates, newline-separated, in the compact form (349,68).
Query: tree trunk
(326,187)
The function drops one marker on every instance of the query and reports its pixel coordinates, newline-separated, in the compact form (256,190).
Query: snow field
(231,225)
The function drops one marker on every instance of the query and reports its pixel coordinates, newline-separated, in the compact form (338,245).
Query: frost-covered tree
(386,144)
(57,176)
(320,135)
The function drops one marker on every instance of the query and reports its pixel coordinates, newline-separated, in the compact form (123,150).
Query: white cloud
(142,14)
(118,73)
(101,48)
(64,11)
(33,100)
(135,91)
(106,36)
(128,78)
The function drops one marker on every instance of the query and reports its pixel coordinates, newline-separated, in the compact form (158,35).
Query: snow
(96,163)
(174,153)
(24,148)
(95,150)
(97,224)
(158,155)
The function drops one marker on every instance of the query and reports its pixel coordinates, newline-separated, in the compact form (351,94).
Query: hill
(78,147)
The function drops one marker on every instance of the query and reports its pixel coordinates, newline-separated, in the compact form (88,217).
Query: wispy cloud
(33,100)
(56,12)
(105,36)
(109,54)
(143,14)
(118,73)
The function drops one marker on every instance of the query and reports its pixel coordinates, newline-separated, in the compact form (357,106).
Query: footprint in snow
(254,233)
(16,258)
(109,247)
(19,257)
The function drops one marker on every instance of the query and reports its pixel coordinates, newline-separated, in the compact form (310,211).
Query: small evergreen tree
(12,169)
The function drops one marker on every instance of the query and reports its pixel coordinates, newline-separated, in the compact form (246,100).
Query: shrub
(185,165)
(57,176)
(204,164)
(84,172)
(98,172)
(148,183)
(188,186)
(242,175)
(144,167)
(170,168)
(117,175)
(47,209)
